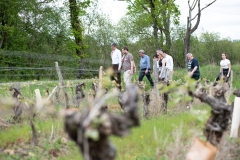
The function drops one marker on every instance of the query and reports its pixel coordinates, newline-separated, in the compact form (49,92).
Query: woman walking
(225,68)
(162,66)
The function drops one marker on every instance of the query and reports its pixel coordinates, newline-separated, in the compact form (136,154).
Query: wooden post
(39,102)
(235,115)
(62,84)
(100,77)
(155,73)
(156,95)
(235,118)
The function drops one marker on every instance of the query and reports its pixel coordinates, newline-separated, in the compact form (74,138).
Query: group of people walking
(225,68)
(126,62)
(164,65)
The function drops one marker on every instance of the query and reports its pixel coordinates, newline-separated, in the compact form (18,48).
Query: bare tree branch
(203,9)
(198,18)
(191,29)
(208,5)
(193,4)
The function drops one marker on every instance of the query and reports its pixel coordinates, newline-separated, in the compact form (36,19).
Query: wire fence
(21,66)
(48,57)
(42,73)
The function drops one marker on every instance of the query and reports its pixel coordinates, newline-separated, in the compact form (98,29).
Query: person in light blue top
(144,67)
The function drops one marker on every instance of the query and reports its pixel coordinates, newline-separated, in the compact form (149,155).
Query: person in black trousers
(193,67)
(144,67)
(116,56)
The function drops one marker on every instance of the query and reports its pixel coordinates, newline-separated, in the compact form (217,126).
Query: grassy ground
(146,142)
(162,137)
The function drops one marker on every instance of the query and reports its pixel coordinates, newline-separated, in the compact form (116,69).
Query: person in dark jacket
(193,67)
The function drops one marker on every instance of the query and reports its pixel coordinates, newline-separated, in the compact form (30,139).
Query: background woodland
(36,33)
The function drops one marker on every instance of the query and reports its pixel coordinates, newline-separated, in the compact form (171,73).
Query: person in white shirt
(169,66)
(116,56)
(225,68)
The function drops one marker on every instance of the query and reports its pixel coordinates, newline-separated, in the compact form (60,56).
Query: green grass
(143,141)
(152,140)
(23,132)
(140,144)
(18,132)
(155,133)
(209,72)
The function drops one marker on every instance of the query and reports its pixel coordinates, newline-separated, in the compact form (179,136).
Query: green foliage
(26,66)
(152,135)
(154,15)
(150,141)
(35,35)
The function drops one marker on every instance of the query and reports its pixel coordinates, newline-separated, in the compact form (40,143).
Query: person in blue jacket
(145,67)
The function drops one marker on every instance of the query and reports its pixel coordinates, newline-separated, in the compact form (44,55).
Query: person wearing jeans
(144,67)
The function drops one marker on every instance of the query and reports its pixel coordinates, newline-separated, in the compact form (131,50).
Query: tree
(78,9)
(8,15)
(190,19)
(30,25)
(158,14)
(31,33)
(177,48)
(103,33)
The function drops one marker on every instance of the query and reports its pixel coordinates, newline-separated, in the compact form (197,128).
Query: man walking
(169,66)
(193,67)
(128,65)
(144,67)
(116,64)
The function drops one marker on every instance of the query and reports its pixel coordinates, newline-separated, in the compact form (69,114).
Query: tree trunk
(168,41)
(155,26)
(156,96)
(77,30)
(4,24)
(191,29)
(187,46)
(166,24)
